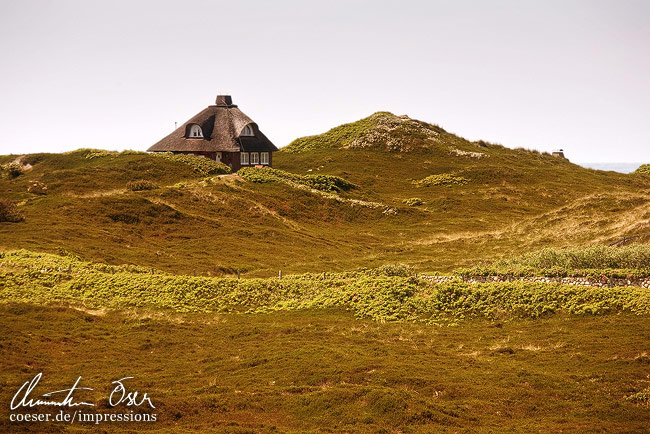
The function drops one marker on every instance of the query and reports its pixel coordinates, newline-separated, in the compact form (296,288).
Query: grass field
(325,371)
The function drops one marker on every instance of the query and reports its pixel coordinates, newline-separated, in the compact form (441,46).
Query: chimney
(224,101)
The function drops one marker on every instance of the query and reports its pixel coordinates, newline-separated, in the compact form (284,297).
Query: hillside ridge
(395,190)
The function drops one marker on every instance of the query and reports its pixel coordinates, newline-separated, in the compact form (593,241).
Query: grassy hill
(98,252)
(477,201)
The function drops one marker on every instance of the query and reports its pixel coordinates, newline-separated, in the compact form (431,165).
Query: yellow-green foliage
(99,153)
(598,256)
(388,293)
(444,179)
(200,165)
(339,136)
(328,183)
(141,185)
(132,152)
(413,201)
(13,170)
(640,398)
(381,131)
(644,169)
(632,261)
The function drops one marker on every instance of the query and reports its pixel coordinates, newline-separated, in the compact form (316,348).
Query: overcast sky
(537,74)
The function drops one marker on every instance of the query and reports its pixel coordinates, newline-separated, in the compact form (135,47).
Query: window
(255,158)
(244,158)
(247,131)
(195,131)
(264,157)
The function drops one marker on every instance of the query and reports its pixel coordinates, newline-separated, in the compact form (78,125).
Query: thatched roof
(222,125)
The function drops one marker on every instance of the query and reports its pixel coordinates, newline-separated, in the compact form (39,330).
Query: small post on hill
(194,273)
(237,274)
(280,274)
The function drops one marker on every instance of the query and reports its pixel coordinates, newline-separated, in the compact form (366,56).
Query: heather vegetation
(9,212)
(200,165)
(141,185)
(381,131)
(343,203)
(12,170)
(314,371)
(644,169)
(98,153)
(327,183)
(444,179)
(631,261)
(384,294)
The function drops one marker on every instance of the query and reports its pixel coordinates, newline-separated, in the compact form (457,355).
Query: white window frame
(255,158)
(243,158)
(196,132)
(264,158)
(247,131)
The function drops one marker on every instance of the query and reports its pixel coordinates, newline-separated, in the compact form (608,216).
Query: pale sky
(537,74)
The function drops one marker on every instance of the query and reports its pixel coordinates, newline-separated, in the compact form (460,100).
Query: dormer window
(195,131)
(247,131)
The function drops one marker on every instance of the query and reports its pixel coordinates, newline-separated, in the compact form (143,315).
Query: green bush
(9,212)
(141,185)
(202,166)
(443,179)
(413,201)
(327,183)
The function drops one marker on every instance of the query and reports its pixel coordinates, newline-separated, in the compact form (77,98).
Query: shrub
(141,185)
(385,294)
(327,183)
(630,256)
(413,201)
(202,166)
(640,398)
(443,179)
(594,262)
(13,170)
(37,187)
(9,212)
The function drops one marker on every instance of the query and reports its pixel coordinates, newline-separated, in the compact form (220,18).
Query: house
(223,133)
(558,153)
